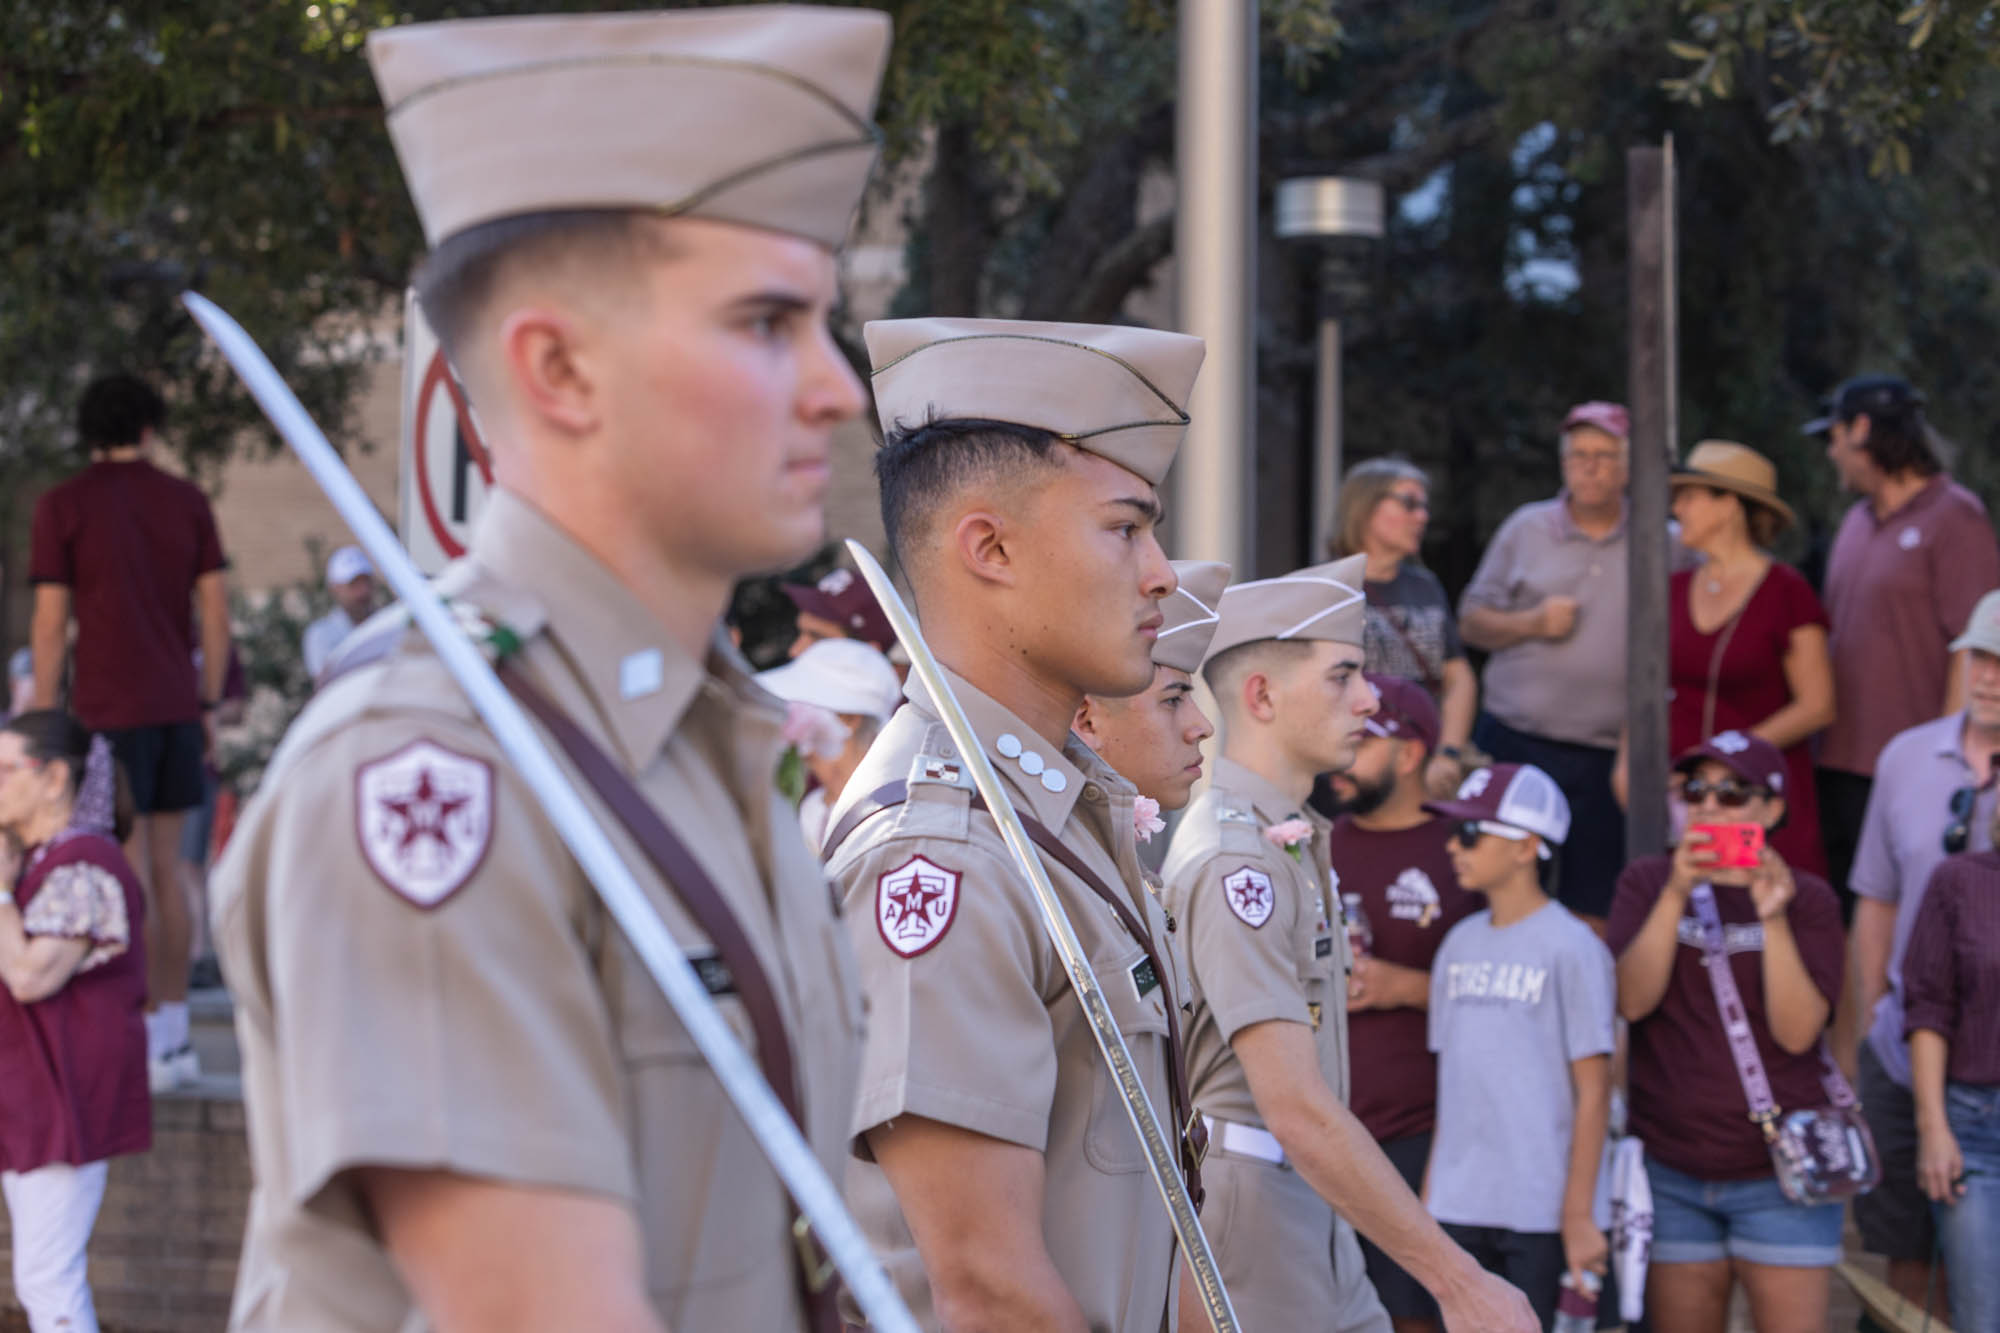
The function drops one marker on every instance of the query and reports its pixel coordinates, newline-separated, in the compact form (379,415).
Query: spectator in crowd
(853,690)
(1384,509)
(1952,983)
(1933,798)
(73,1074)
(1910,558)
(1521,1021)
(351,580)
(1746,638)
(1548,602)
(839,606)
(125,550)
(1719,1214)
(1399,895)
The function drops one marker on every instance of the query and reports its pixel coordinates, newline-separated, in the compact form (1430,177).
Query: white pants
(52,1210)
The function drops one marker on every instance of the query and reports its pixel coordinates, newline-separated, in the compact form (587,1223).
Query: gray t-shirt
(1411,631)
(1510,1009)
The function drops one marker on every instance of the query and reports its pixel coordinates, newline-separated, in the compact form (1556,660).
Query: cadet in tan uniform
(470,1107)
(1247,878)
(1018,491)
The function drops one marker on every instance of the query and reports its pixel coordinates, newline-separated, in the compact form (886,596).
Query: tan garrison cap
(1318,602)
(1119,392)
(757,115)
(1190,613)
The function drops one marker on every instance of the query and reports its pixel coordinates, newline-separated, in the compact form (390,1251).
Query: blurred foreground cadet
(1247,878)
(472,1108)
(1018,493)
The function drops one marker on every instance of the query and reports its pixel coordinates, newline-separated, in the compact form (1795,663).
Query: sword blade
(1161,1159)
(782,1143)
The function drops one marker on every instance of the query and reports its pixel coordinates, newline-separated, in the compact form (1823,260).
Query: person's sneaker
(176,1069)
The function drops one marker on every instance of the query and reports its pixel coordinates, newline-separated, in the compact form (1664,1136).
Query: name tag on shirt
(714,974)
(1323,947)
(1144,979)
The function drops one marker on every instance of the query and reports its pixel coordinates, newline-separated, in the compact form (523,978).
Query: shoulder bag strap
(1433,675)
(1192,1133)
(711,911)
(1735,1021)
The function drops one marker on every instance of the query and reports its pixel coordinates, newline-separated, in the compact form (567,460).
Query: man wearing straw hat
(1018,483)
(1247,878)
(470,1106)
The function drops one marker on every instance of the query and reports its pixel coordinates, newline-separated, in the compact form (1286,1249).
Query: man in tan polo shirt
(1018,492)
(1247,878)
(470,1107)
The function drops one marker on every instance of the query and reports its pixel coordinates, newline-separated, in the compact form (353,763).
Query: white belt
(1245,1140)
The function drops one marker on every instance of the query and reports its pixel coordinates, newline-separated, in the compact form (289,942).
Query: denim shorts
(1697,1221)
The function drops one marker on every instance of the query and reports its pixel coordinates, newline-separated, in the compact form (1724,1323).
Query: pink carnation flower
(1288,833)
(814,731)
(1146,819)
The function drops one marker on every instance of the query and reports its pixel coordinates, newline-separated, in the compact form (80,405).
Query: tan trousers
(1288,1261)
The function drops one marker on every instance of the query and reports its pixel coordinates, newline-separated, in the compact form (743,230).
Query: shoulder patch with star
(1250,895)
(424,817)
(915,904)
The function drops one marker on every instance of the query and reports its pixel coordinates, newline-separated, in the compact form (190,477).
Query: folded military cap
(757,115)
(1190,612)
(1318,602)
(1117,391)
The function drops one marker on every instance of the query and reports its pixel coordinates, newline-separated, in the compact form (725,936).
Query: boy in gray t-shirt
(1522,999)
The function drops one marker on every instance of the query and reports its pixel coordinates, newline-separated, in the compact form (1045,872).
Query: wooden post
(1654,389)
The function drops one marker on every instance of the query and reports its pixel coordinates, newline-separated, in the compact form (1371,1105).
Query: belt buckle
(813,1261)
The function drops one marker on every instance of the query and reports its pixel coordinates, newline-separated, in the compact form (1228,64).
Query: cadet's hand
(1483,1303)
(1558,617)
(1584,1248)
(1771,885)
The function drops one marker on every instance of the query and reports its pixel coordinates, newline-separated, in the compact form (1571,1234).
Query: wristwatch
(1453,753)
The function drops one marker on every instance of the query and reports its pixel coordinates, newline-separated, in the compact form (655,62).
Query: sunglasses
(1958,834)
(1470,831)
(1412,503)
(1729,793)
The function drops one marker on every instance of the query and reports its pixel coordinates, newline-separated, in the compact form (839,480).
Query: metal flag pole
(1160,1155)
(810,1187)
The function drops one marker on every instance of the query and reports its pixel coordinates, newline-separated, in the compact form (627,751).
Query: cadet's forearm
(1338,1157)
(1590,1080)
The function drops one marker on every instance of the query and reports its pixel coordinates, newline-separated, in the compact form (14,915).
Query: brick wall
(163,1256)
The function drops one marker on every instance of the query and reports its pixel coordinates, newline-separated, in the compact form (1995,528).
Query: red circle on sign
(439,373)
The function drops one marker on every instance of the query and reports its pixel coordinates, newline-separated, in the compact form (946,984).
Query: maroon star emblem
(1250,895)
(914,905)
(424,812)
(909,908)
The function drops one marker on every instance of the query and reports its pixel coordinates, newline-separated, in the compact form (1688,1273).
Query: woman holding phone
(1720,1214)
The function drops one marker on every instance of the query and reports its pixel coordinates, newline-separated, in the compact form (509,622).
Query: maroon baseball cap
(1611,418)
(842,596)
(1751,758)
(1407,712)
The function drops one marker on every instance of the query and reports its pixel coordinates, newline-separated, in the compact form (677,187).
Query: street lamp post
(1340,218)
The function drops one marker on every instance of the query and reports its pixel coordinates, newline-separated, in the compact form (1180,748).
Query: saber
(774,1131)
(1160,1157)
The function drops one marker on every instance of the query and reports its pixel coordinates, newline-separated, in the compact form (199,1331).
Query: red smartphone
(1734,845)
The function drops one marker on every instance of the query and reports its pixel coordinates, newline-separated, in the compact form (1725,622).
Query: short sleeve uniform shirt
(425,979)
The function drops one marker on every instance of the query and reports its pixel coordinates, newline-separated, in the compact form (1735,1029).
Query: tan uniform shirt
(972,1021)
(425,979)
(1263,934)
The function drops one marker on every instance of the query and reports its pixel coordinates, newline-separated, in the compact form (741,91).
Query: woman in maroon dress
(73,1086)
(1746,635)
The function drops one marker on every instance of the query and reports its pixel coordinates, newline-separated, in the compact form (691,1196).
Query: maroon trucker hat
(1518,795)
(842,596)
(1406,713)
(1751,758)
(1611,418)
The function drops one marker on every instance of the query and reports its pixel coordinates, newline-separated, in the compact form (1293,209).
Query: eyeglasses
(1412,503)
(1591,459)
(1729,793)
(1470,831)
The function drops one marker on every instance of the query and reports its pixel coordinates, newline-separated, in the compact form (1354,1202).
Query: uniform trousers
(1288,1261)
(51,1210)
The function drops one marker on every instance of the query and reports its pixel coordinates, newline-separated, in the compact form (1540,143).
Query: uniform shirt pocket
(1110,1143)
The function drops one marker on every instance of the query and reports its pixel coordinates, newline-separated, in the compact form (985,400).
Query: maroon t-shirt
(1403,883)
(73,1084)
(1687,1105)
(128,541)
(1750,686)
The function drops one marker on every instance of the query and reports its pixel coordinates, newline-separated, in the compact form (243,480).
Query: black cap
(1877,395)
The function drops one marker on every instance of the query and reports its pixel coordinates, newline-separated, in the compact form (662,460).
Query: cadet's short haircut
(116,410)
(1226,670)
(456,280)
(921,467)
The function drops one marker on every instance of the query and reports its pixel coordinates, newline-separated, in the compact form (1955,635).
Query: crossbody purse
(1821,1155)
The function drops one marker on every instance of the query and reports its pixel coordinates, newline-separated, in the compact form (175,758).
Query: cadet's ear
(1086,722)
(979,541)
(1255,696)
(547,376)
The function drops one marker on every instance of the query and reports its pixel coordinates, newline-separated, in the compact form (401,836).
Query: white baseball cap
(346,565)
(840,675)
(1520,796)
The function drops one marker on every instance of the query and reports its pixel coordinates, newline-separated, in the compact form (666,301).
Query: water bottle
(1360,936)
(1576,1307)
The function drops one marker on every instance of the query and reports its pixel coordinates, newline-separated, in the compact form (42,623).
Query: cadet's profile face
(1089,575)
(1324,700)
(1153,738)
(723,387)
